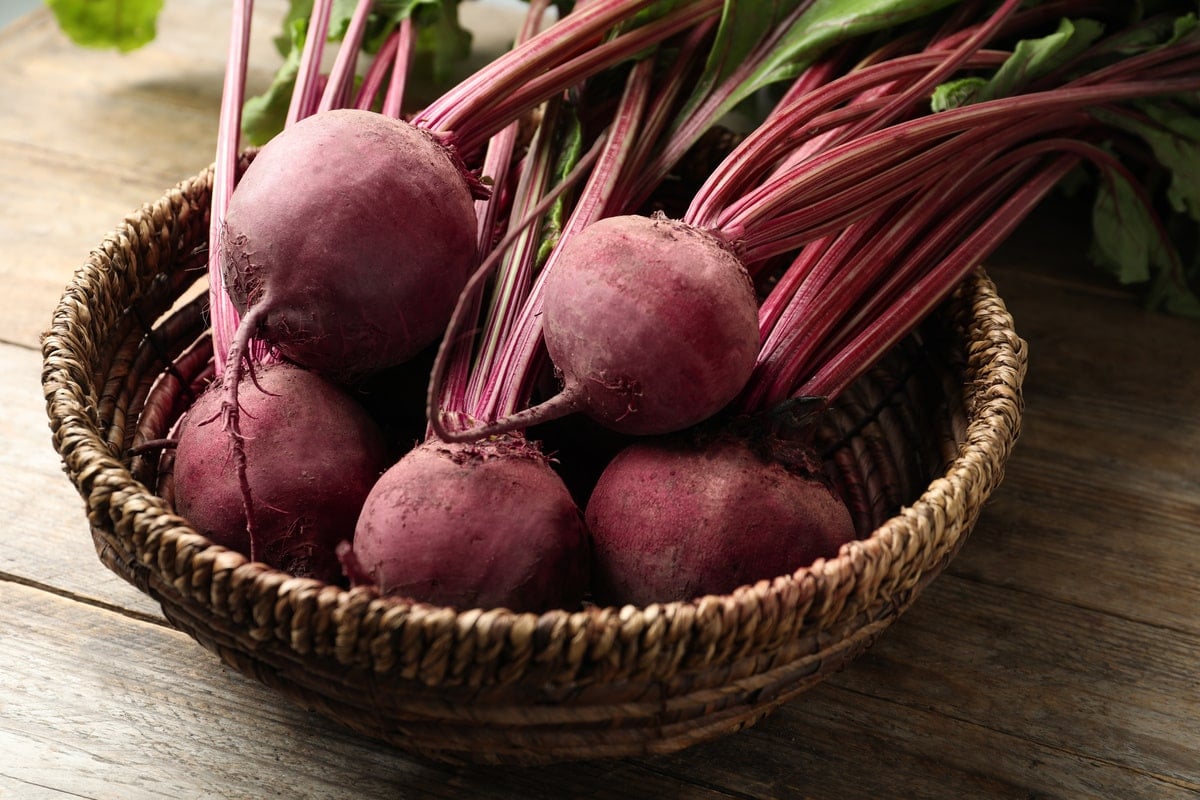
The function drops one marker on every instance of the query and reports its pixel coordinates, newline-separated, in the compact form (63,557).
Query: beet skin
(356,233)
(312,455)
(672,521)
(484,525)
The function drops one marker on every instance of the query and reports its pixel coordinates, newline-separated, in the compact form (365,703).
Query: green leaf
(743,27)
(299,11)
(824,25)
(1173,296)
(1031,59)
(571,150)
(1125,241)
(1035,58)
(1181,155)
(441,40)
(957,93)
(121,24)
(1173,135)
(828,23)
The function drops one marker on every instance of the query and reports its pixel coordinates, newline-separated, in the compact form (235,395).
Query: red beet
(671,520)
(651,323)
(348,241)
(312,454)
(483,525)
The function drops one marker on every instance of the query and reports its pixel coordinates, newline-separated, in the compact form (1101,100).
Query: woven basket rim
(274,606)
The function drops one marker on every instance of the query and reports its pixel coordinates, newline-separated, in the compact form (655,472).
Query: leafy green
(441,40)
(571,149)
(1170,128)
(746,24)
(122,24)
(1174,138)
(1172,134)
(828,23)
(1129,232)
(1031,59)
(1125,242)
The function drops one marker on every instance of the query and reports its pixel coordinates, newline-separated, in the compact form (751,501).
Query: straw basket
(917,446)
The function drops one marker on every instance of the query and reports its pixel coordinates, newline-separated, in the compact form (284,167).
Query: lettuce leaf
(121,24)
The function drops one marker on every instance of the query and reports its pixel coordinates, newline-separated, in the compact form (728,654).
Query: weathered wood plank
(1101,503)
(88,136)
(46,539)
(84,105)
(48,228)
(147,713)
(1071,679)
(835,742)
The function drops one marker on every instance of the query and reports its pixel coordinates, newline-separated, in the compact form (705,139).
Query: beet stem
(340,83)
(305,93)
(387,59)
(224,315)
(476,281)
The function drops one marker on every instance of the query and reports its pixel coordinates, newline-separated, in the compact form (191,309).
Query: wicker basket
(917,446)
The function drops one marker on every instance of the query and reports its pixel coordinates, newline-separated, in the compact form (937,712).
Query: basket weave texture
(916,447)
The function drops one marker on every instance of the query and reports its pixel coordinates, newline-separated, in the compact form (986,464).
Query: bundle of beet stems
(508,225)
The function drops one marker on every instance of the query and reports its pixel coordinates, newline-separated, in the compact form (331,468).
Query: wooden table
(1057,657)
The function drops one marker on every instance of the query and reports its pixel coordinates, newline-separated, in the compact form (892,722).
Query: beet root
(483,525)
(348,240)
(671,520)
(652,323)
(311,456)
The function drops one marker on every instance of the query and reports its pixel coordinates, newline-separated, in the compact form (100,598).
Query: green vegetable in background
(126,25)
(122,24)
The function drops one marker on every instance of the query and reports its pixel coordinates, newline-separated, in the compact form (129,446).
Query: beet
(652,326)
(675,519)
(482,525)
(347,242)
(311,456)
(652,321)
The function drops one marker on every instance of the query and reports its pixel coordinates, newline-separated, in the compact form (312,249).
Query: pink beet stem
(406,40)
(377,73)
(224,315)
(517,363)
(777,216)
(885,330)
(305,94)
(549,63)
(466,302)
(340,85)
(799,118)
(469,360)
(575,33)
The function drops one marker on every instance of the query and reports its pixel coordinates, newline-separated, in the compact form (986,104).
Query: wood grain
(46,538)
(1058,657)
